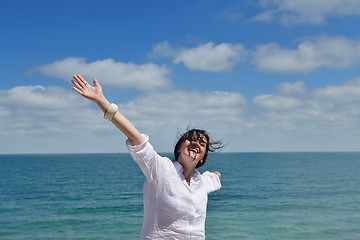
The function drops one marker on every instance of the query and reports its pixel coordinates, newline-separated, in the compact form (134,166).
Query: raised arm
(95,94)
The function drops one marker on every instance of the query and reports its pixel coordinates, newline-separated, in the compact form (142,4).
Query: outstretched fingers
(79,83)
(83,82)
(80,80)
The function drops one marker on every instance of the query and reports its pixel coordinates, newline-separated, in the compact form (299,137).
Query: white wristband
(111,112)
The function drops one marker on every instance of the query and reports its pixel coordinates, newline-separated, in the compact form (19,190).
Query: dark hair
(193,135)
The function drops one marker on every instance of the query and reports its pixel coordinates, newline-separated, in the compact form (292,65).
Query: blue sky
(270,75)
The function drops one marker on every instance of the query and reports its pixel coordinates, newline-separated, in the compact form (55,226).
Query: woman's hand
(217,173)
(96,94)
(86,90)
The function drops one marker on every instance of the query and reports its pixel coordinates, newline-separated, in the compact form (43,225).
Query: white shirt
(172,208)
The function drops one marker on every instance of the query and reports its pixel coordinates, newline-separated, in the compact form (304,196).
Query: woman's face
(192,150)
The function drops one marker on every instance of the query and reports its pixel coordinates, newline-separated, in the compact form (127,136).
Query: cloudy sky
(267,75)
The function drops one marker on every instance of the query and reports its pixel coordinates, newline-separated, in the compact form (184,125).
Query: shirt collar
(179,169)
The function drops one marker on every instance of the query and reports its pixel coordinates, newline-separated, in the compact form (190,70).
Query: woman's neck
(187,174)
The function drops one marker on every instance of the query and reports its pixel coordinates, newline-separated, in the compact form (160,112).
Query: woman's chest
(178,201)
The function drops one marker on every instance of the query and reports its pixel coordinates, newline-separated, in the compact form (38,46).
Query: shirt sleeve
(151,164)
(211,181)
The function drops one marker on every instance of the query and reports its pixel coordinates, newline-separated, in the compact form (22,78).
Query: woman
(175,193)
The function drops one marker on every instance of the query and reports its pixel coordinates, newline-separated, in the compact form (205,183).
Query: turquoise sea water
(99,196)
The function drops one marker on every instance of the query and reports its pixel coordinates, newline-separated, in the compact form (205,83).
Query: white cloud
(287,88)
(293,118)
(205,57)
(118,74)
(348,92)
(38,119)
(311,54)
(36,113)
(163,49)
(43,110)
(37,97)
(327,110)
(291,12)
(180,108)
(272,102)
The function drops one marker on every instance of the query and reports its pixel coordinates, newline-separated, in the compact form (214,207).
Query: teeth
(193,150)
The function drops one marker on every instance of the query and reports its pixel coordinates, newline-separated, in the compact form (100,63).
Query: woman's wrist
(217,173)
(103,103)
(111,111)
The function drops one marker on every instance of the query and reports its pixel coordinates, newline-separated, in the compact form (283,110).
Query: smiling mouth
(193,150)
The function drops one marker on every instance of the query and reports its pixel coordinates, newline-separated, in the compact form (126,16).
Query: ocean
(263,196)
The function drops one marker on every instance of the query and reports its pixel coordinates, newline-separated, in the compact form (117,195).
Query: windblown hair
(193,135)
